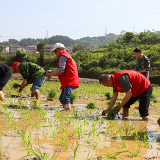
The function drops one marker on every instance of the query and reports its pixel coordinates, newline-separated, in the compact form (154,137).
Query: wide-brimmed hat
(13,66)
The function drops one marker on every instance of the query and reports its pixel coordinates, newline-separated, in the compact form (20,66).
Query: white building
(32,49)
(69,50)
(6,50)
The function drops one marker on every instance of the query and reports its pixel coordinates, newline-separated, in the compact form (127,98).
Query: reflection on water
(29,128)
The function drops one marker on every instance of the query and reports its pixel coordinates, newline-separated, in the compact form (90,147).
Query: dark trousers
(144,101)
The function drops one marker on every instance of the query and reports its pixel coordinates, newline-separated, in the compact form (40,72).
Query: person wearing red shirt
(67,73)
(135,85)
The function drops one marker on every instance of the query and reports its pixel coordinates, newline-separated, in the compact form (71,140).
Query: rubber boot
(125,113)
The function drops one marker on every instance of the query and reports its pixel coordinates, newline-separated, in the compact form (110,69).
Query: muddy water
(77,134)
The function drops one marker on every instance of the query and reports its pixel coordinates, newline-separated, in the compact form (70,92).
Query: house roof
(32,46)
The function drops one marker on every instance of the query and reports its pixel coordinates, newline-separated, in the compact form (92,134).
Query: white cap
(58,45)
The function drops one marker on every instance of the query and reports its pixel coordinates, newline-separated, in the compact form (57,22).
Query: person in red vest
(67,73)
(135,85)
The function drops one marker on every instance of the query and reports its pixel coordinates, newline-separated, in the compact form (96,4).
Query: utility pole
(105,31)
(133,29)
(47,35)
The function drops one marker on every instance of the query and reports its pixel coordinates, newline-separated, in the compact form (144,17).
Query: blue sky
(76,18)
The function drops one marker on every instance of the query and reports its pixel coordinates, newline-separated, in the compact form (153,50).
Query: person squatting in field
(143,63)
(5,75)
(31,73)
(67,73)
(135,85)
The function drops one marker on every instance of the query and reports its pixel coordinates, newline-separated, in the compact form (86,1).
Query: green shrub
(91,105)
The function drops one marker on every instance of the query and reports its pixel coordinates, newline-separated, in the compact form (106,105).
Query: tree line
(86,41)
(108,58)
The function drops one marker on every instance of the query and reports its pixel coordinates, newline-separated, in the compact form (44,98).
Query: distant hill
(85,41)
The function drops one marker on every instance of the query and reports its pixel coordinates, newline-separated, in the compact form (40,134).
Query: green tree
(1,49)
(79,48)
(41,47)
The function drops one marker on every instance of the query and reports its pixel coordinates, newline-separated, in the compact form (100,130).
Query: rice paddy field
(43,130)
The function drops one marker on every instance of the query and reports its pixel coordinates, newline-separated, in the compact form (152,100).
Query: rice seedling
(112,113)
(28,139)
(37,151)
(42,113)
(75,149)
(50,120)
(23,135)
(122,144)
(134,154)
(91,105)
(52,94)
(127,129)
(158,139)
(89,158)
(15,126)
(153,96)
(112,156)
(73,98)
(28,118)
(79,130)
(34,103)
(9,116)
(53,134)
(9,94)
(66,143)
(135,114)
(15,85)
(63,137)
(108,95)
(4,151)
(95,145)
(57,114)
(155,101)
(136,134)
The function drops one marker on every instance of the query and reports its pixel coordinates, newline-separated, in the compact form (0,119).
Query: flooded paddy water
(32,130)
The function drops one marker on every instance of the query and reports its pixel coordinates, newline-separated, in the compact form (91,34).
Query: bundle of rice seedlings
(73,98)
(112,113)
(16,85)
(91,105)
(52,94)
(39,74)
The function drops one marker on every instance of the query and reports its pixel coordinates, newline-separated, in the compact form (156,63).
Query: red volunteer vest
(138,81)
(70,76)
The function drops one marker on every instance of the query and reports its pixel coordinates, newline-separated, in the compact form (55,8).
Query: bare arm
(23,85)
(60,70)
(144,70)
(112,103)
(125,99)
(50,73)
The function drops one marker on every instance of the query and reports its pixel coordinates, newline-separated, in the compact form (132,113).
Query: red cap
(13,66)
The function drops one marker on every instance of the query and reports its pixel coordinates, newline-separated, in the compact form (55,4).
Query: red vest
(70,76)
(138,81)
